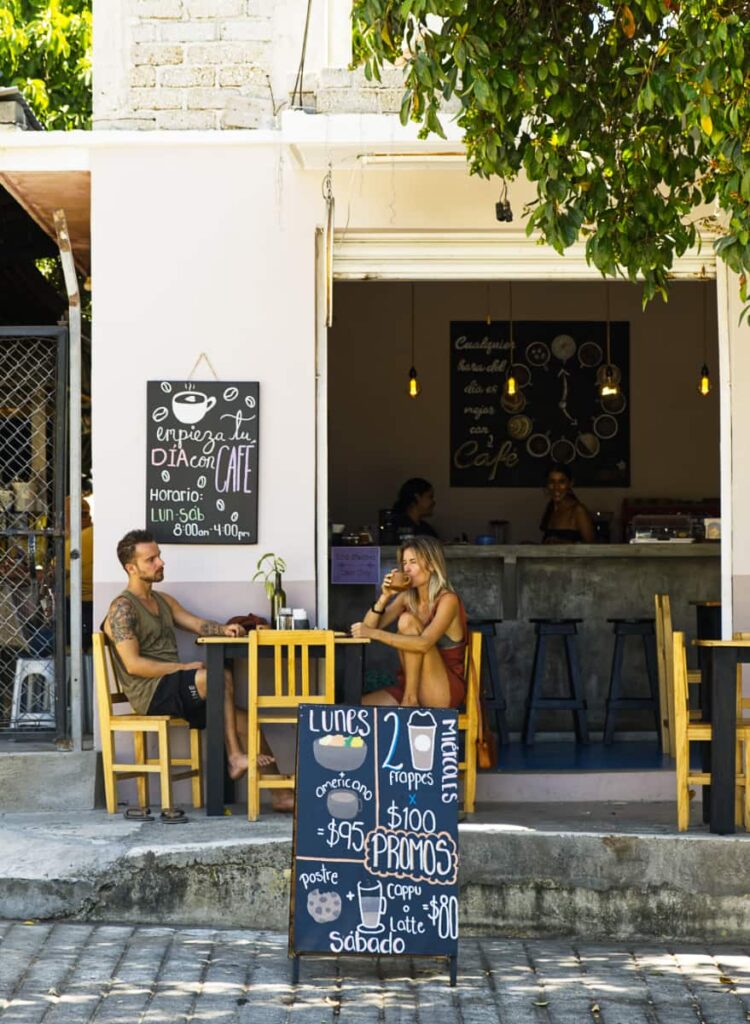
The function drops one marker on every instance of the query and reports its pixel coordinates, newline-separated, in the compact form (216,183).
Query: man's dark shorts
(178,695)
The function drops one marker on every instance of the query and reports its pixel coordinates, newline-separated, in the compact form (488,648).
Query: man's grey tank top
(156,640)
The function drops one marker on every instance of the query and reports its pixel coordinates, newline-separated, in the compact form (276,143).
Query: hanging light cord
(510,315)
(609,348)
(412,324)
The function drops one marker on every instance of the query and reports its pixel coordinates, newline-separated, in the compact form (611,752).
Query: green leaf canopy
(627,117)
(45,50)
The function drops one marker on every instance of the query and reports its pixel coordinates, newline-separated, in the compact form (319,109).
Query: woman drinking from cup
(430,634)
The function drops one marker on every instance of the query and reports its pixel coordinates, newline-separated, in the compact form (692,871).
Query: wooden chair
(664,657)
(743,703)
(687,732)
(469,719)
(292,685)
(108,693)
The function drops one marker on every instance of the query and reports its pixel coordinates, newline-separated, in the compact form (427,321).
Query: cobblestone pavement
(65,973)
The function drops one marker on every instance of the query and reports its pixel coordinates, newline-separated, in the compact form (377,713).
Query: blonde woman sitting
(430,634)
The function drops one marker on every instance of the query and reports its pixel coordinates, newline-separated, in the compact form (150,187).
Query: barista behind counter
(566,520)
(415,501)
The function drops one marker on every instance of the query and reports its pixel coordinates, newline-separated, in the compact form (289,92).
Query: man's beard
(156,577)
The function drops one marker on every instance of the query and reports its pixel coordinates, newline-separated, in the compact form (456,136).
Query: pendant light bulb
(609,387)
(414,386)
(511,385)
(704,386)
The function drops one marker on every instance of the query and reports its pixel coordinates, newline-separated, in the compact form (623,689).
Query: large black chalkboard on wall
(556,415)
(376,832)
(202,461)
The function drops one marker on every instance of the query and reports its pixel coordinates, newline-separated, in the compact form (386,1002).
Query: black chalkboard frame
(208,511)
(558,401)
(296,955)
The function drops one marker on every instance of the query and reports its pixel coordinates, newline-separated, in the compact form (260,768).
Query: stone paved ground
(66,973)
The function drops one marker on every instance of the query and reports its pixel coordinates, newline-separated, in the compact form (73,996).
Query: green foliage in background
(45,50)
(626,116)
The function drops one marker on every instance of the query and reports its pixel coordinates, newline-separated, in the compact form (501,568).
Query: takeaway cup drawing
(421,728)
(372,905)
(343,804)
(191,406)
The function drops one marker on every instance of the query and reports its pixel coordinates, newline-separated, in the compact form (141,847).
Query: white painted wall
(204,249)
(738,365)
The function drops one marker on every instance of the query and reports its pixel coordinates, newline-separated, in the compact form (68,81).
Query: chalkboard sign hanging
(375,852)
(202,461)
(556,414)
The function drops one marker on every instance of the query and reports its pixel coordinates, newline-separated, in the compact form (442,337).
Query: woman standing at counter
(431,630)
(566,520)
(415,501)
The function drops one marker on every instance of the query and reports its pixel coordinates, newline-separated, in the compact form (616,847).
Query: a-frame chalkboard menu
(202,461)
(375,858)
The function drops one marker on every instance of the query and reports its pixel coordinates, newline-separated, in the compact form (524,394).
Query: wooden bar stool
(616,701)
(575,702)
(490,691)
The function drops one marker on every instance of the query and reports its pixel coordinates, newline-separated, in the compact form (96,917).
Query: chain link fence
(32,487)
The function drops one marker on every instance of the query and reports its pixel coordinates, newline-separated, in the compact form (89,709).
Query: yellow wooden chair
(108,694)
(687,732)
(664,656)
(469,719)
(293,684)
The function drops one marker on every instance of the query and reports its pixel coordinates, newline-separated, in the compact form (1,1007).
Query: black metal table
(719,660)
(707,619)
(219,787)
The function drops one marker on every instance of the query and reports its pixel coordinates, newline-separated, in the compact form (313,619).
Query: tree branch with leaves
(627,117)
(45,51)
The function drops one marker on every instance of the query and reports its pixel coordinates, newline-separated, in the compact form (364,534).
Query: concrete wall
(378,436)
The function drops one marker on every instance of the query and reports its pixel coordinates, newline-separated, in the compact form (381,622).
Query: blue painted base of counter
(563,755)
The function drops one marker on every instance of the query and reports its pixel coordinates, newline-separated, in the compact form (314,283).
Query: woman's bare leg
(434,686)
(409,625)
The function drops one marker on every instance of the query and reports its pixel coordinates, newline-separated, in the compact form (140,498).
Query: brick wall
(176,64)
(182,64)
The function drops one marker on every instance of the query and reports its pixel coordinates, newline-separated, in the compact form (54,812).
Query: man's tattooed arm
(208,628)
(122,620)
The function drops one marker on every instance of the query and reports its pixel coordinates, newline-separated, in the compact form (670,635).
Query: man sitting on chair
(140,623)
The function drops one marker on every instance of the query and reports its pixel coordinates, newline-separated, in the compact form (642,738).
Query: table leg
(705,663)
(722,675)
(215,730)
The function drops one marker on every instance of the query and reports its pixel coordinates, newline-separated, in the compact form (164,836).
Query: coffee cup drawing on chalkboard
(421,728)
(191,406)
(372,906)
(342,804)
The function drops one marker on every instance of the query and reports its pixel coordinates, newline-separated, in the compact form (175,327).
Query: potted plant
(270,567)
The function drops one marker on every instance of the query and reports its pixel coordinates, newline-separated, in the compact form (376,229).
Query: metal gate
(33,690)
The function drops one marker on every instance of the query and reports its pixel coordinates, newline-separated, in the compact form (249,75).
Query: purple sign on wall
(355,565)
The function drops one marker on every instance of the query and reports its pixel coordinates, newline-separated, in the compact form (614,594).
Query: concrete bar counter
(592,582)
